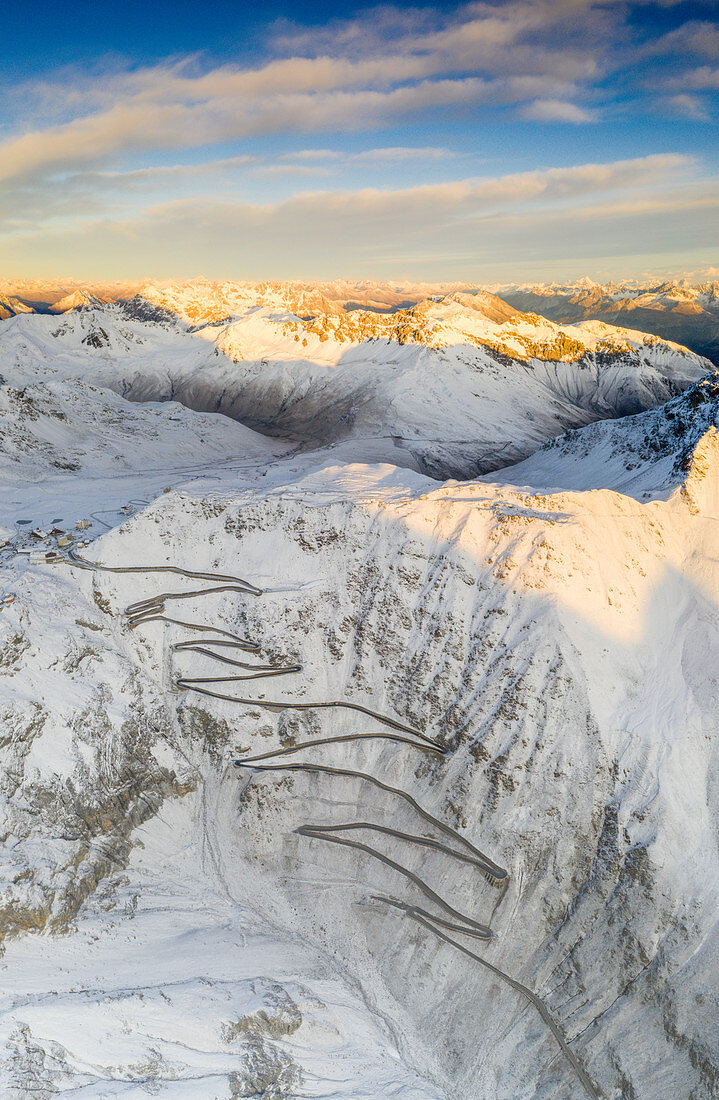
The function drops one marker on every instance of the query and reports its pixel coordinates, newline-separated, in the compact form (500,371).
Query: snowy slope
(169,987)
(166,985)
(646,456)
(68,424)
(69,447)
(443,387)
(54,422)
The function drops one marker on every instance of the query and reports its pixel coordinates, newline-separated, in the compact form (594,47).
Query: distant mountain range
(674,310)
(688,314)
(193,299)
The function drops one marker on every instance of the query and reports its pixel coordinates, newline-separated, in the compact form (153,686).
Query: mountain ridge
(439,387)
(673,309)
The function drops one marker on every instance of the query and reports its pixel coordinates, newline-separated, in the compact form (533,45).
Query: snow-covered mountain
(203,302)
(453,386)
(49,424)
(78,299)
(647,456)
(10,307)
(225,988)
(673,310)
(558,644)
(460,391)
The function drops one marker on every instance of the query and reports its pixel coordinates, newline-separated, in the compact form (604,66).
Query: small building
(82,525)
(44,557)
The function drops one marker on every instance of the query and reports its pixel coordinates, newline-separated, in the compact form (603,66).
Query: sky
(512,141)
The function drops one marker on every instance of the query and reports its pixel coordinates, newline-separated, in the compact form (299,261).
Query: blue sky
(493,142)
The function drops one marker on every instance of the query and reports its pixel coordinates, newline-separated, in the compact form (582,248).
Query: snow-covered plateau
(552,627)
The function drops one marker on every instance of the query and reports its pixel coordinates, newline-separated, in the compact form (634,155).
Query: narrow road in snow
(152,608)
(467,925)
(489,868)
(428,921)
(244,586)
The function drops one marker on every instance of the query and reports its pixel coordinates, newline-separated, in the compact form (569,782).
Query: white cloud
(139,125)
(84,191)
(686,106)
(397,153)
(694,37)
(514,37)
(703,79)
(556,110)
(390,64)
(627,214)
(468,196)
(369,211)
(85,153)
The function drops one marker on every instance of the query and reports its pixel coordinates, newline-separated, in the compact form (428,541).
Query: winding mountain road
(151,609)
(241,643)
(427,920)
(468,925)
(82,563)
(492,871)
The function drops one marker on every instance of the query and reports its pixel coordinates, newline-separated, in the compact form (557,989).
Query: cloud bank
(189,143)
